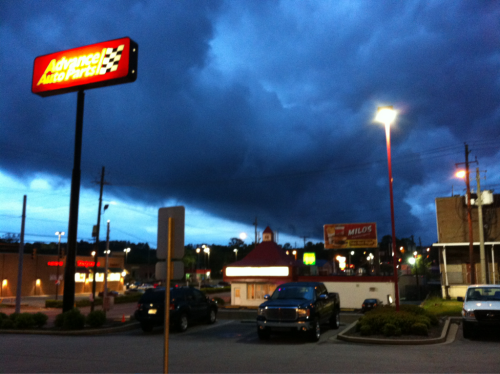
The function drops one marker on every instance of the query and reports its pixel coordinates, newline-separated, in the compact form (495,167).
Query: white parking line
(208,327)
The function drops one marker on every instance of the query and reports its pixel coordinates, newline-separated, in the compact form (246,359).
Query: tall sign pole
(469,219)
(75,70)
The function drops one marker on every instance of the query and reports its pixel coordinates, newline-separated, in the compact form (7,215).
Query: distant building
(453,242)
(260,272)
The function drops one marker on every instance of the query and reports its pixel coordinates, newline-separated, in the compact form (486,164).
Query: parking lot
(232,346)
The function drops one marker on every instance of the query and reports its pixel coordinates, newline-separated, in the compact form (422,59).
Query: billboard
(350,235)
(92,66)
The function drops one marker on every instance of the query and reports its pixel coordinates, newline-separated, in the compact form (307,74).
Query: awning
(115,270)
(462,244)
(82,270)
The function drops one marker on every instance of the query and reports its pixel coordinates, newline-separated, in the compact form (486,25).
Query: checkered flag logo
(111,60)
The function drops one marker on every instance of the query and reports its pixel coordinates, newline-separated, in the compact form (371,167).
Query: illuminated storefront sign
(97,65)
(55,263)
(266,271)
(87,263)
(350,235)
(309,258)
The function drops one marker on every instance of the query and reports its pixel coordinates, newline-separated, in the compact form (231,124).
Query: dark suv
(300,306)
(187,305)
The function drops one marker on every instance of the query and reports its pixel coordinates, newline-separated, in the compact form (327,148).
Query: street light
(206,249)
(235,254)
(387,115)
(58,233)
(294,254)
(243,236)
(126,250)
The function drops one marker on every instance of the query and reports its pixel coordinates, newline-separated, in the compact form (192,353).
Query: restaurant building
(44,274)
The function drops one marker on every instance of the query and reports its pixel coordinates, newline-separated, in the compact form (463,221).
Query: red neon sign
(87,263)
(55,263)
(92,66)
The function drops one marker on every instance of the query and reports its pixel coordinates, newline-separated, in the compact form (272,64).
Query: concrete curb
(108,330)
(355,339)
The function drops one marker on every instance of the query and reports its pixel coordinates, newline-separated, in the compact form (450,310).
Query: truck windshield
(483,294)
(293,292)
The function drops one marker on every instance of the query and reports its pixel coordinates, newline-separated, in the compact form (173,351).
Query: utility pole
(97,242)
(255,224)
(20,261)
(469,219)
(469,216)
(304,237)
(481,228)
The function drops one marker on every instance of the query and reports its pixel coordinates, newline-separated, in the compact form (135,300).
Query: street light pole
(59,233)
(386,115)
(126,250)
(481,228)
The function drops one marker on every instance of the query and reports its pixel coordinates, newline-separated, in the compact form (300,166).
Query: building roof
(267,253)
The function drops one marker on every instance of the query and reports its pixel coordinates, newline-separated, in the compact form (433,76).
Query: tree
(235,243)
(11,238)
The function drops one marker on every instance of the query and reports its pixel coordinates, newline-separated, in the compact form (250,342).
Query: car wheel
(146,326)
(212,316)
(467,329)
(335,320)
(315,332)
(263,333)
(182,325)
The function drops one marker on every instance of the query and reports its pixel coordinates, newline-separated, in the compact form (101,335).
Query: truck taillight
(172,306)
(138,306)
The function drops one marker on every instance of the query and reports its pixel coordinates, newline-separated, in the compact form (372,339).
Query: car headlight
(260,311)
(468,313)
(303,312)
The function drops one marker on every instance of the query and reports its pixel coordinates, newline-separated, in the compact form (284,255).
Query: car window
(483,294)
(198,295)
(294,292)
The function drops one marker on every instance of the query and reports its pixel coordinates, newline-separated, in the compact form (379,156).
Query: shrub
(6,324)
(53,304)
(13,317)
(40,319)
(3,316)
(24,321)
(95,319)
(365,330)
(419,329)
(389,329)
(59,321)
(73,320)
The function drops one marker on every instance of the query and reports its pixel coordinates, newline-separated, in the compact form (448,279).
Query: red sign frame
(350,235)
(92,66)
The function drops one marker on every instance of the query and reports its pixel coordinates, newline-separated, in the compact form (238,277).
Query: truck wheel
(146,327)
(182,325)
(467,327)
(335,320)
(212,316)
(263,334)
(315,332)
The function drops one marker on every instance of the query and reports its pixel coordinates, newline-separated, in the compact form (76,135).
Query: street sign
(177,213)
(176,270)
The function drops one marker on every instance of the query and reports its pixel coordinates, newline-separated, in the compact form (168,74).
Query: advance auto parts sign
(97,65)
(350,235)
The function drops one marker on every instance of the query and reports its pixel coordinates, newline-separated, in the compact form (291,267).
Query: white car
(481,307)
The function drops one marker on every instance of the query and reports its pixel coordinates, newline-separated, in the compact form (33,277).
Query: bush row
(22,320)
(410,320)
(122,299)
(75,320)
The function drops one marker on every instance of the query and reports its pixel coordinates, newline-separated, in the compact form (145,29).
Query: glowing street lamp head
(243,236)
(385,115)
(411,260)
(460,174)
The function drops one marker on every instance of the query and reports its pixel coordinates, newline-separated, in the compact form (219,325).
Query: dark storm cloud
(265,109)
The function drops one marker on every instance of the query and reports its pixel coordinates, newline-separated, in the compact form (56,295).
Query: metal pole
(69,272)
(92,304)
(167,293)
(482,255)
(105,300)
(445,274)
(20,262)
(394,262)
(469,219)
(58,260)
(493,262)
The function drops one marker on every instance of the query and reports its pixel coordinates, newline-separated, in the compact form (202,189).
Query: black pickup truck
(301,306)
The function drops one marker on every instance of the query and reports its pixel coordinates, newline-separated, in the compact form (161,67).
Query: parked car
(481,308)
(370,304)
(223,284)
(300,306)
(187,305)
